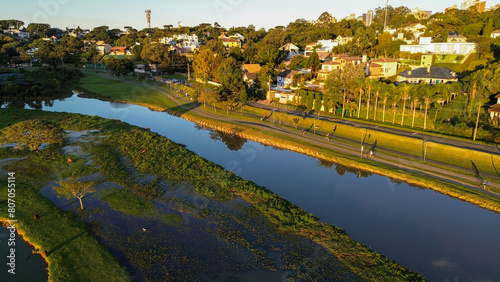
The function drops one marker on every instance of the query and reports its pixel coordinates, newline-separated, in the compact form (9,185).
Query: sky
(228,13)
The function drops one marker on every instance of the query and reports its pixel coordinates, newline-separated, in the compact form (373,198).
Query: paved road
(384,155)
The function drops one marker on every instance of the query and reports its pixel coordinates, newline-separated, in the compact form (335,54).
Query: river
(441,237)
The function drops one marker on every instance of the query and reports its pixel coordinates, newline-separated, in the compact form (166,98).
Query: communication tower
(148,17)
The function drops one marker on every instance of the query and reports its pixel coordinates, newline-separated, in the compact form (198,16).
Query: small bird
(144,229)
(69,160)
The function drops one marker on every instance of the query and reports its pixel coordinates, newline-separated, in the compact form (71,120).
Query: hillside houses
(326,68)
(189,43)
(343,40)
(440,48)
(292,50)
(232,41)
(250,72)
(382,68)
(324,46)
(21,33)
(429,75)
(120,51)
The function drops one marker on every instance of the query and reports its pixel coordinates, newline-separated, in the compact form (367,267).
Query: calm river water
(441,237)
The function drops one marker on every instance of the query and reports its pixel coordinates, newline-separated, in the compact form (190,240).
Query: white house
(285,78)
(18,33)
(440,48)
(495,33)
(343,40)
(103,48)
(327,45)
(415,27)
(321,46)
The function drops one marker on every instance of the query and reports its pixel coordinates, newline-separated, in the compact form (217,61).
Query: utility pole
(189,74)
(385,21)
(362,137)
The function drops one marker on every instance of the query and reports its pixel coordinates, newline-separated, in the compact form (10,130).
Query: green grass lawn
(73,254)
(447,154)
(112,89)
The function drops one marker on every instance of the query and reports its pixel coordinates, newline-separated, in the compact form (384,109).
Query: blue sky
(228,13)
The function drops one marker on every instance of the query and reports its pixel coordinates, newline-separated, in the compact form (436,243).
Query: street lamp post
(425,149)
(362,138)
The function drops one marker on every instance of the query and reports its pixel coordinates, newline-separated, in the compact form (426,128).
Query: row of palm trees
(377,94)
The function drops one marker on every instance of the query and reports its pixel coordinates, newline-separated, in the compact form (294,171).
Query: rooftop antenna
(148,17)
(385,21)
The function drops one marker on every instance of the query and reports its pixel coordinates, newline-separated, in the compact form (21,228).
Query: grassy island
(124,148)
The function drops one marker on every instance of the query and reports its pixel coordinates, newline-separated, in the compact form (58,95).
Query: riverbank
(140,147)
(395,166)
(64,243)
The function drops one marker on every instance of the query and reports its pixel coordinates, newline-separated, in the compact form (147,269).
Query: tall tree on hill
(384,42)
(38,28)
(230,76)
(313,62)
(203,64)
(119,67)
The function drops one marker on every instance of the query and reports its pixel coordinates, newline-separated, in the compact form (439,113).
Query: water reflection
(424,230)
(21,103)
(341,169)
(233,142)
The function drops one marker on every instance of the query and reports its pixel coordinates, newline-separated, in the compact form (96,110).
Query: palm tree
(415,100)
(479,102)
(444,91)
(369,84)
(455,89)
(404,89)
(359,84)
(475,81)
(388,89)
(351,107)
(427,93)
(437,106)
(377,87)
(395,97)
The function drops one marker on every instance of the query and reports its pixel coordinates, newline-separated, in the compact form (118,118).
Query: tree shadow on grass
(493,165)
(477,174)
(182,109)
(58,247)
